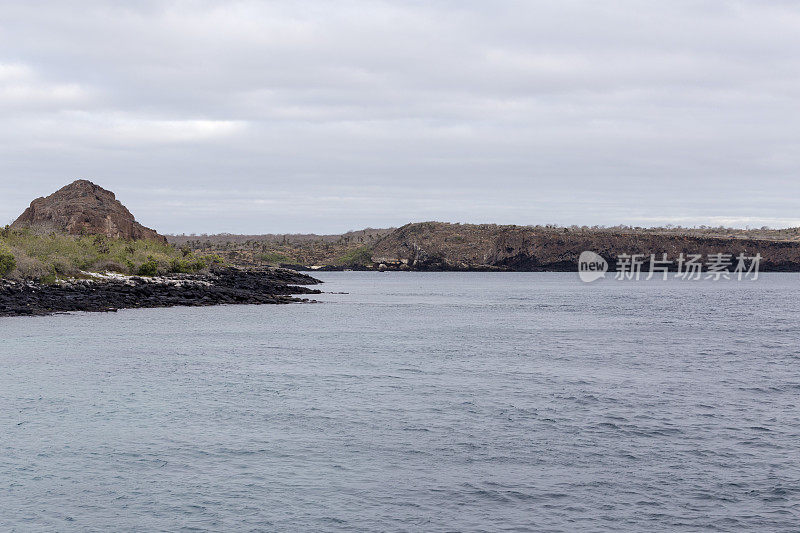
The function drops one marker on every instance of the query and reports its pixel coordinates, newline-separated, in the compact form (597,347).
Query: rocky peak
(85,208)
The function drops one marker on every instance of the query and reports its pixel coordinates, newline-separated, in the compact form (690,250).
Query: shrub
(29,268)
(7,260)
(187,266)
(357,257)
(48,279)
(62,265)
(213,259)
(148,268)
(273,258)
(109,265)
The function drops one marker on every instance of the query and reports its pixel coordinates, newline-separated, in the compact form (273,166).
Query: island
(80,249)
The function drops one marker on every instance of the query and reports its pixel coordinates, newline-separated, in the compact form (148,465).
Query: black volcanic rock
(223,286)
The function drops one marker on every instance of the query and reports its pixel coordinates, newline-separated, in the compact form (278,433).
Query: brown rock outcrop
(85,208)
(443,246)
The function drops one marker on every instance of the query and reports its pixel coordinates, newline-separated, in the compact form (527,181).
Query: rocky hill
(83,208)
(442,246)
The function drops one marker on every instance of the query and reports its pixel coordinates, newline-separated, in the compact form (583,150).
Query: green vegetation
(148,268)
(361,256)
(25,254)
(277,249)
(273,258)
(7,260)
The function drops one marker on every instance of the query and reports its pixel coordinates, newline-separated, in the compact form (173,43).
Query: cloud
(22,87)
(127,130)
(567,112)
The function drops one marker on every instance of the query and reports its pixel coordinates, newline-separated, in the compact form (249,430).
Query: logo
(717,266)
(591,267)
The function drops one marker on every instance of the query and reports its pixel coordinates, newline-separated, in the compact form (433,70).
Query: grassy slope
(25,254)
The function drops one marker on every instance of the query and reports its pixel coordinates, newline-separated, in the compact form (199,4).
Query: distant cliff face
(85,208)
(442,246)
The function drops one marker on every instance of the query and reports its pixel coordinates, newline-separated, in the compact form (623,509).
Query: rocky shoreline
(110,292)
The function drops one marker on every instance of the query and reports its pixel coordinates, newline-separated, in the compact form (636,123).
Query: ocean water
(414,402)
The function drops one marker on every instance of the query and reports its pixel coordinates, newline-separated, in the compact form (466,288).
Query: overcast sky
(320,116)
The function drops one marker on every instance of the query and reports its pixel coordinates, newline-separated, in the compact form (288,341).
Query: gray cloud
(322,116)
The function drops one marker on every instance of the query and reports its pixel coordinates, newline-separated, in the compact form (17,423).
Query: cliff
(442,246)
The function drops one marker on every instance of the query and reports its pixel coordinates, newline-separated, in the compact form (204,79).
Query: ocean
(413,402)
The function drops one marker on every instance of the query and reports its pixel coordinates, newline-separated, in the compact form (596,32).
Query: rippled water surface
(417,402)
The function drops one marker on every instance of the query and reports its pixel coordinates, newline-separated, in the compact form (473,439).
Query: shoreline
(568,268)
(109,292)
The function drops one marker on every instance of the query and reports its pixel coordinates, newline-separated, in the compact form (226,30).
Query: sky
(320,116)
